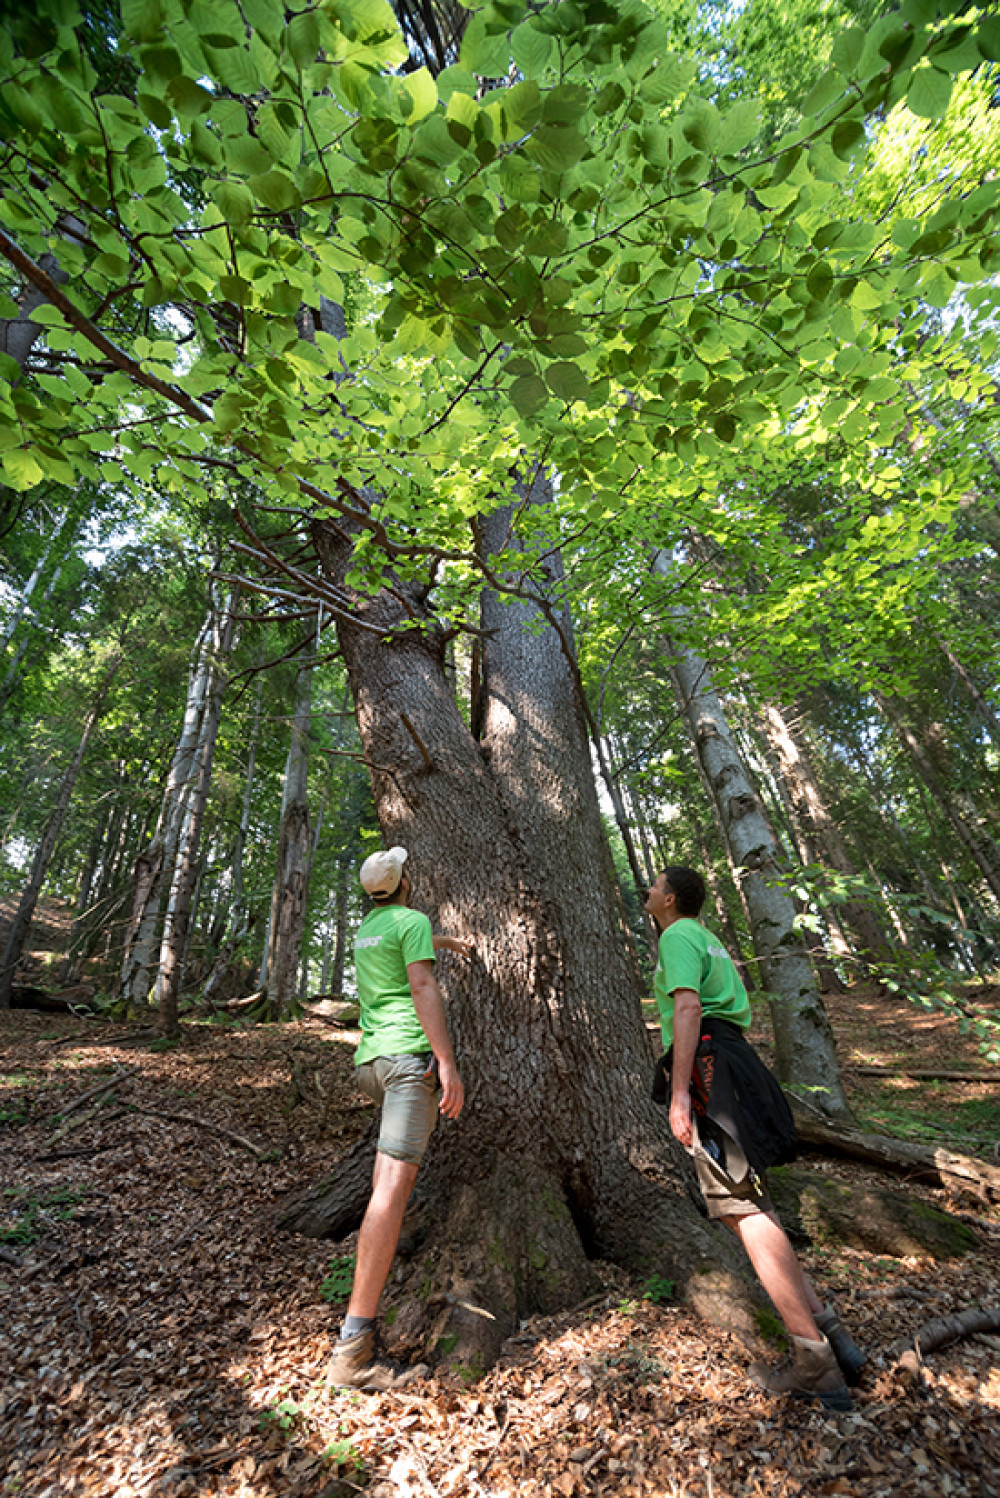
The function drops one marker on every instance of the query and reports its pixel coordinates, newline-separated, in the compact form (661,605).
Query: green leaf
(303,39)
(531,49)
(21,469)
(565,104)
(824,93)
(848,49)
(142,19)
(421,90)
(188,97)
(988,38)
(528,395)
(848,135)
(234,201)
(274,190)
(567,380)
(929,93)
(483,52)
(556,148)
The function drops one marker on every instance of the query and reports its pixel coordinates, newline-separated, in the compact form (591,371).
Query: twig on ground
(94,1092)
(909,1352)
(212,1128)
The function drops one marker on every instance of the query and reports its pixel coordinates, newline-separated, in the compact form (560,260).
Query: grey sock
(355,1324)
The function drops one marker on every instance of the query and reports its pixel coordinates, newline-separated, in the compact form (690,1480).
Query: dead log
(927,1074)
(75,1001)
(919,1161)
(909,1352)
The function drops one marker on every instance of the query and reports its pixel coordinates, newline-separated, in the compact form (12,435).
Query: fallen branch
(85,1149)
(927,1074)
(927,1162)
(212,1128)
(98,1091)
(910,1352)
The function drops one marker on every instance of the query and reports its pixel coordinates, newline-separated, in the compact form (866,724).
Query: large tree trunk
(805,1056)
(21,923)
(560,1153)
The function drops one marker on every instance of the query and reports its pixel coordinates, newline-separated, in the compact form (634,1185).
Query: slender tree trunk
(986,713)
(154,863)
(29,899)
(291,881)
(805,1056)
(822,831)
(962,814)
(184,875)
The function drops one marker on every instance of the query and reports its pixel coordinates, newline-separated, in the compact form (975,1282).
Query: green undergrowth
(927,1114)
(34,1215)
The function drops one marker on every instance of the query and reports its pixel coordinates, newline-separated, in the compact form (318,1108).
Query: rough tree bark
(560,1154)
(804,1051)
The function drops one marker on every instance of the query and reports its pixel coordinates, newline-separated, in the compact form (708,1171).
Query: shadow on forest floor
(163,1340)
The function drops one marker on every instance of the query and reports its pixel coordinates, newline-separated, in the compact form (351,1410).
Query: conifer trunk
(560,1154)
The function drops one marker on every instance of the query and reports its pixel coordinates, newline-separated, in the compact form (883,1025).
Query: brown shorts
(723,1197)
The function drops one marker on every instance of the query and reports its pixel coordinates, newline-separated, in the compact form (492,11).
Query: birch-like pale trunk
(21,923)
(154,863)
(287,923)
(184,874)
(804,1051)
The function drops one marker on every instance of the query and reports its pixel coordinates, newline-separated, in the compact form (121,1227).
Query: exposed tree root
(910,1352)
(521,1239)
(925,1162)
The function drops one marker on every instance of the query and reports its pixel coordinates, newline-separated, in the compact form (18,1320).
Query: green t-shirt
(388,939)
(691,957)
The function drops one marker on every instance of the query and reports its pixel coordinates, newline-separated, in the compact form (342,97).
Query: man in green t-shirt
(405,1063)
(695,980)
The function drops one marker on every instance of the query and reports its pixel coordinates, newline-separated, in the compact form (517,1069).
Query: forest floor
(159,1337)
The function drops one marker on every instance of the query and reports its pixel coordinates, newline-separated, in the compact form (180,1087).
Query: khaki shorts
(722,1197)
(408,1090)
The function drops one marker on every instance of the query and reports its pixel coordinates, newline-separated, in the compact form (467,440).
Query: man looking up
(705,1011)
(405,1063)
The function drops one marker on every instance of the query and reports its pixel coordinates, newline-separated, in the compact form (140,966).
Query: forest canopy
(723,281)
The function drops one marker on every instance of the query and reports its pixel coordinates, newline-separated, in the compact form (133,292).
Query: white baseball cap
(382,872)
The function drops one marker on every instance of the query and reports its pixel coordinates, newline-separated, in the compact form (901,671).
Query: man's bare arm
(429,1005)
(687,1030)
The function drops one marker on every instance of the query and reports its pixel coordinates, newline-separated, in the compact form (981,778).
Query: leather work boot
(352,1365)
(845,1349)
(811,1372)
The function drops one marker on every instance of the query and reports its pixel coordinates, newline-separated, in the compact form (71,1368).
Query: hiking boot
(845,1349)
(353,1365)
(811,1372)
(352,1361)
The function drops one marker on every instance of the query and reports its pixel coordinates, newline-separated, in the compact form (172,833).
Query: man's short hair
(688,888)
